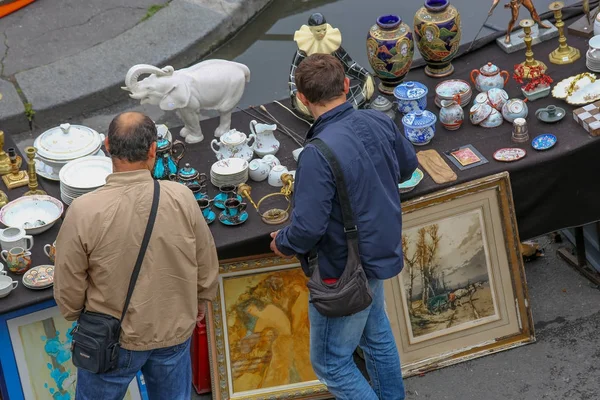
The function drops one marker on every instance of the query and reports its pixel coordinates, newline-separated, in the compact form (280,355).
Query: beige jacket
(99,242)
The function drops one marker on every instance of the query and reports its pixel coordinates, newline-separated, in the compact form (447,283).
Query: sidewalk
(60,59)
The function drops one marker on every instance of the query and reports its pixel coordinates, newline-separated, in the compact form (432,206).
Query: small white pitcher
(265,143)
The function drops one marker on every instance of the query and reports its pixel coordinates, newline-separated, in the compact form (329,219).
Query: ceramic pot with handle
(233,144)
(265,141)
(15,237)
(489,76)
(168,156)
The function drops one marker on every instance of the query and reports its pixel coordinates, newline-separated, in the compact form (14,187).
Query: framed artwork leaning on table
(258,332)
(462,293)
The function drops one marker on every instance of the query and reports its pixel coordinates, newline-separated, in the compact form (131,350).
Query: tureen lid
(68,142)
(381,104)
(410,91)
(419,119)
(233,137)
(489,69)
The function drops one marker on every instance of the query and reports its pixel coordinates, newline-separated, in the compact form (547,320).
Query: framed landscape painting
(462,293)
(259,332)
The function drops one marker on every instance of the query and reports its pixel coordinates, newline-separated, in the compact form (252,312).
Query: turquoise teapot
(191,178)
(168,156)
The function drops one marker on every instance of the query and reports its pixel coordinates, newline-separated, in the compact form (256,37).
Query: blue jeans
(334,340)
(167,373)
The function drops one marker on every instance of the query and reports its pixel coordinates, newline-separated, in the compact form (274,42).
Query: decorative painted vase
(451,114)
(419,127)
(233,144)
(168,156)
(265,142)
(412,96)
(489,76)
(390,50)
(437,33)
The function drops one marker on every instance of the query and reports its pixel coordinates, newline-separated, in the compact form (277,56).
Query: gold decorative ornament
(16,178)
(573,86)
(564,54)
(5,166)
(529,62)
(33,183)
(273,216)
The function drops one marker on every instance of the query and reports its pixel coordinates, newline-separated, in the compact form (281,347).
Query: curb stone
(12,111)
(177,35)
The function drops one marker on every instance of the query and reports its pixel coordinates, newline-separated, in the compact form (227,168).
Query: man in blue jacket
(374,157)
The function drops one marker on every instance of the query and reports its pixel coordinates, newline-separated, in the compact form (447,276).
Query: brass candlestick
(272,216)
(5,166)
(33,183)
(529,62)
(16,178)
(564,54)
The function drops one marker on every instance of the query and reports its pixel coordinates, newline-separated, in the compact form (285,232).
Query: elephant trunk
(131,79)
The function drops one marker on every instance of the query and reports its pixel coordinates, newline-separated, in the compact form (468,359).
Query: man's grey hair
(131,140)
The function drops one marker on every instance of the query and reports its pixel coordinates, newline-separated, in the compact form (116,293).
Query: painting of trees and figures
(446,277)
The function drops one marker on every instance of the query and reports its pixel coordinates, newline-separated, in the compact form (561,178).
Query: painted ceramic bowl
(446,90)
(544,141)
(513,109)
(410,184)
(493,120)
(479,112)
(497,98)
(419,127)
(35,214)
(412,96)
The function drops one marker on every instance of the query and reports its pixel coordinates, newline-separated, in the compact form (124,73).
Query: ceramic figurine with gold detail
(514,6)
(33,183)
(5,165)
(529,62)
(564,54)
(318,37)
(272,216)
(16,178)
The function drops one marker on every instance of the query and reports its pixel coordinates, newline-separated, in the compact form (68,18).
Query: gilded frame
(487,205)
(253,269)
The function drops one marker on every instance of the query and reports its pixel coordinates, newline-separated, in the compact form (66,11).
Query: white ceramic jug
(15,237)
(265,142)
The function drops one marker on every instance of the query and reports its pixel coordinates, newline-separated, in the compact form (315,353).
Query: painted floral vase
(437,33)
(451,114)
(419,127)
(390,50)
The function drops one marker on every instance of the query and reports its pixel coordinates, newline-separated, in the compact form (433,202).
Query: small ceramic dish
(229,166)
(237,220)
(447,89)
(544,141)
(410,184)
(40,277)
(561,89)
(550,114)
(509,154)
(35,214)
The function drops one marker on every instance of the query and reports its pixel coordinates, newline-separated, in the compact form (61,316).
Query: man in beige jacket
(97,247)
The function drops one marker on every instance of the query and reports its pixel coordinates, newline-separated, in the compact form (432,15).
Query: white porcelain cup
(272,160)
(275,175)
(15,237)
(259,169)
(296,153)
(7,285)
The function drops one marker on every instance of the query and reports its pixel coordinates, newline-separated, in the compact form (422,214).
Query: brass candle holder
(564,54)
(529,62)
(5,166)
(33,183)
(16,178)
(273,216)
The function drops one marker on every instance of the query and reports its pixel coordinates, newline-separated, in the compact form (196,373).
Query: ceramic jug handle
(15,284)
(47,249)
(181,152)
(474,74)
(3,255)
(212,146)
(252,137)
(506,76)
(29,239)
(252,124)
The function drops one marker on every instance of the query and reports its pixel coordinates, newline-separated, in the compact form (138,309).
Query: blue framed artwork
(35,356)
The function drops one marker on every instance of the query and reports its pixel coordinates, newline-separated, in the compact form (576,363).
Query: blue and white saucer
(544,141)
(410,184)
(237,220)
(211,218)
(219,200)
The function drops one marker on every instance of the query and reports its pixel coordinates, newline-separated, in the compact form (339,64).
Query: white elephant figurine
(209,85)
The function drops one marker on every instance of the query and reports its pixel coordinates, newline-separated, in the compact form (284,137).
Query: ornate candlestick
(33,183)
(529,62)
(5,166)
(272,216)
(564,54)
(16,178)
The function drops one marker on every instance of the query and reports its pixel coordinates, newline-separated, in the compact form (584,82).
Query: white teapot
(233,144)
(265,142)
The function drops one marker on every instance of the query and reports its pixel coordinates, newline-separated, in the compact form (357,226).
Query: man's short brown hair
(320,78)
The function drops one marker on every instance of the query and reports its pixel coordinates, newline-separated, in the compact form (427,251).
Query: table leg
(578,261)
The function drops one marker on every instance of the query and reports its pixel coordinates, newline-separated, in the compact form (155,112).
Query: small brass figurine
(16,178)
(514,6)
(529,62)
(33,183)
(564,54)
(273,216)
(5,166)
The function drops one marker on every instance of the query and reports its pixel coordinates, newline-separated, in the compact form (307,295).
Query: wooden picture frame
(256,355)
(464,276)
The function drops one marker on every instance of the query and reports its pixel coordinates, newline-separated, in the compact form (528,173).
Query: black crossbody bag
(351,293)
(96,336)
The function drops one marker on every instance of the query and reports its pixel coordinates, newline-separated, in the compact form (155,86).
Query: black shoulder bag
(96,336)
(351,293)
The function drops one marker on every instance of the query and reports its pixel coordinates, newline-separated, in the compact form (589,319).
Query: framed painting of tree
(462,293)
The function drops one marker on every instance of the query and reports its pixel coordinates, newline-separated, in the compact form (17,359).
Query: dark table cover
(552,189)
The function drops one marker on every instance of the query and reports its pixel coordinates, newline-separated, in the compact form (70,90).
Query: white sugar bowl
(259,169)
(275,175)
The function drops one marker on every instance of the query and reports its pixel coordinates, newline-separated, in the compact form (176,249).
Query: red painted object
(200,363)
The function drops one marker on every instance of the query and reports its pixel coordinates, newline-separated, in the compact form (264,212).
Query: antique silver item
(520,132)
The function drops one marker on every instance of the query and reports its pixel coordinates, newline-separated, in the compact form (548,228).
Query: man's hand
(201,313)
(274,248)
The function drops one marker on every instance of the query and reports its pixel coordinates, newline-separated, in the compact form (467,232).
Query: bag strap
(144,246)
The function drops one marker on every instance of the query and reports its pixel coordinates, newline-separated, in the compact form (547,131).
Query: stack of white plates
(592,63)
(230,171)
(83,175)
